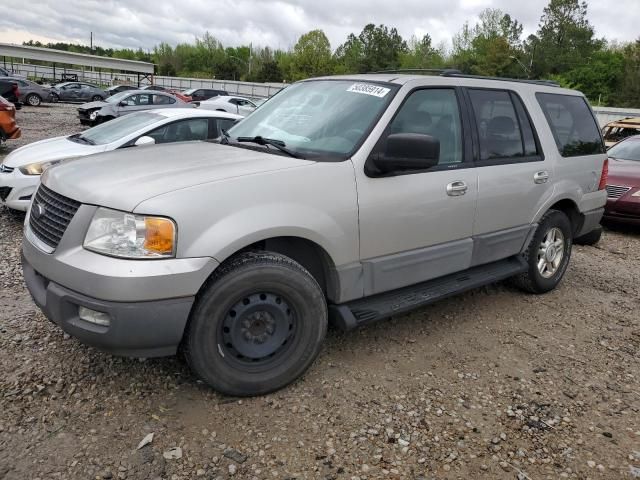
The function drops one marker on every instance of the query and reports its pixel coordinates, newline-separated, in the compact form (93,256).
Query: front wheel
(548,254)
(257,325)
(33,100)
(55,98)
(96,98)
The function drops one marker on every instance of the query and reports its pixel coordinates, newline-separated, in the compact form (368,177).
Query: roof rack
(457,74)
(438,71)
(452,72)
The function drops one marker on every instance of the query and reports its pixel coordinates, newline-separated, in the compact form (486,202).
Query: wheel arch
(571,210)
(311,255)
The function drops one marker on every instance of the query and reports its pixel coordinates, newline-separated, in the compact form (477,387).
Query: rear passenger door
(514,178)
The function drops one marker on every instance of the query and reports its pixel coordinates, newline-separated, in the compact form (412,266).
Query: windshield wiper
(279,144)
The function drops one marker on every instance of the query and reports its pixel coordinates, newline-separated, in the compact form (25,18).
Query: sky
(276,23)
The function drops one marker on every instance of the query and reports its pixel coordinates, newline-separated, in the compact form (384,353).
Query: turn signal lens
(159,235)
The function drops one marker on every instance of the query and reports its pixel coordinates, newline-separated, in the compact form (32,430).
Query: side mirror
(145,140)
(122,104)
(408,151)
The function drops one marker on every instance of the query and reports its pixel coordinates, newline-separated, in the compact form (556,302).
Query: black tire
(33,100)
(96,98)
(55,98)
(533,280)
(590,238)
(257,325)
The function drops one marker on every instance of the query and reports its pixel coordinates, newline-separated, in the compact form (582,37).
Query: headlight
(38,167)
(93,115)
(127,235)
(636,194)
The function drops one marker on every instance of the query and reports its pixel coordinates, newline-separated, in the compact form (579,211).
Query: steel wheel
(257,329)
(551,252)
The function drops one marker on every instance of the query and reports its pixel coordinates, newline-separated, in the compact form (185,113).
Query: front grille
(50,215)
(4,193)
(616,191)
(5,169)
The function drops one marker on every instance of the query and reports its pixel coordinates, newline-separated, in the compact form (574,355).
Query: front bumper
(148,301)
(136,329)
(20,189)
(625,209)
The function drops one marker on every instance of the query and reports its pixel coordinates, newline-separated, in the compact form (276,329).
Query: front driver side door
(415,226)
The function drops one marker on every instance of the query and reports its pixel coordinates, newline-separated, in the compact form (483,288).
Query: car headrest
(501,125)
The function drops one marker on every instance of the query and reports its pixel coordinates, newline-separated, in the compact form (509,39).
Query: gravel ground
(491,384)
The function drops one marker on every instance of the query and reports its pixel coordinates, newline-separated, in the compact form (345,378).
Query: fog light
(91,316)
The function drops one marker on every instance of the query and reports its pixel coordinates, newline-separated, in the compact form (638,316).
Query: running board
(353,314)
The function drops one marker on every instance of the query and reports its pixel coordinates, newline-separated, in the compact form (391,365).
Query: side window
(433,112)
(574,129)
(503,126)
(224,124)
(182,131)
(131,100)
(73,86)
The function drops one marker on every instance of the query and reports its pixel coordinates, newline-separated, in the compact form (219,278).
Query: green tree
(311,56)
(376,48)
(422,54)
(565,38)
(491,47)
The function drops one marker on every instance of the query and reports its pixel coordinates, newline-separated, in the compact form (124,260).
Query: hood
(50,149)
(92,105)
(124,178)
(624,173)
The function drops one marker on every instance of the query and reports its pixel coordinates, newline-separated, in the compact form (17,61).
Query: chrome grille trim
(50,226)
(616,191)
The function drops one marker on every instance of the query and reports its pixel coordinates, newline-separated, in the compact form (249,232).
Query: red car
(623,183)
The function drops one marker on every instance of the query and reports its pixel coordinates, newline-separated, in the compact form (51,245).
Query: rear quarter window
(572,123)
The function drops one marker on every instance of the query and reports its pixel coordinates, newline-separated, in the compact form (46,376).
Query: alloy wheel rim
(551,252)
(33,101)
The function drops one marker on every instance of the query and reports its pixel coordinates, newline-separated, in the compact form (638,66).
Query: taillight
(604,175)
(15,90)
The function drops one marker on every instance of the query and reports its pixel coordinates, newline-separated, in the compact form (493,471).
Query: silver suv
(342,199)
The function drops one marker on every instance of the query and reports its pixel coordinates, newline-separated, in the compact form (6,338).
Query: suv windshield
(319,118)
(117,128)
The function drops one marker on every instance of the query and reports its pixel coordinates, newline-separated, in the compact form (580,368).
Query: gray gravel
(491,384)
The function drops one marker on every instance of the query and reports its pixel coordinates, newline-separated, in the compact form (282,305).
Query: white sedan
(20,171)
(232,104)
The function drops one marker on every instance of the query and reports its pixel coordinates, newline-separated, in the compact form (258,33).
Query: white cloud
(140,23)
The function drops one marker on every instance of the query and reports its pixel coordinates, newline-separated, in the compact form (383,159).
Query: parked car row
(21,169)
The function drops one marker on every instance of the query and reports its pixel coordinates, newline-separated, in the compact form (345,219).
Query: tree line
(564,48)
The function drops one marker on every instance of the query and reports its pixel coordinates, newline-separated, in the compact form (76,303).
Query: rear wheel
(33,99)
(548,254)
(258,324)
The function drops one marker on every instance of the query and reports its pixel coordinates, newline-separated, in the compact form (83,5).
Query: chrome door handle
(457,188)
(541,177)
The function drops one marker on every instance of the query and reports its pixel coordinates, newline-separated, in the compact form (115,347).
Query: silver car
(32,93)
(127,102)
(229,103)
(399,191)
(77,92)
